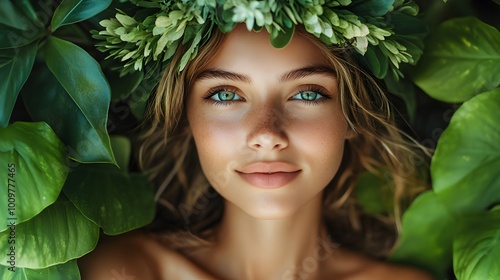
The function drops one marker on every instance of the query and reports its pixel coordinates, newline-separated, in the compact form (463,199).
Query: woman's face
(267,123)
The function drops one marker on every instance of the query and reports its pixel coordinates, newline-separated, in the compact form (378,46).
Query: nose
(267,131)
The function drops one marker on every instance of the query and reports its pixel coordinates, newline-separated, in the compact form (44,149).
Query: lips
(269,175)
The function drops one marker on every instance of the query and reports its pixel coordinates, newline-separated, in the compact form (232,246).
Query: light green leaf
(428,231)
(72,11)
(58,234)
(32,159)
(374,194)
(83,80)
(121,149)
(476,249)
(15,67)
(461,60)
(115,200)
(63,271)
(465,166)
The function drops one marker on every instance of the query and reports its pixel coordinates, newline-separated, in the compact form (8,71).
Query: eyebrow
(212,73)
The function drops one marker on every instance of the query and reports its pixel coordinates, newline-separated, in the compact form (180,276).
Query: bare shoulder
(119,257)
(137,255)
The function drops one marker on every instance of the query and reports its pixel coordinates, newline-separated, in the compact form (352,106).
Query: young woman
(256,151)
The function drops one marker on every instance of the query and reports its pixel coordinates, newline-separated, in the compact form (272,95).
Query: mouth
(269,175)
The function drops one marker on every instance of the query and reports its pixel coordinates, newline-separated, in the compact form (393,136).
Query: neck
(284,248)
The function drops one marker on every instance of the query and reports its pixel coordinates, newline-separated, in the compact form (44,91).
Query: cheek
(216,142)
(322,144)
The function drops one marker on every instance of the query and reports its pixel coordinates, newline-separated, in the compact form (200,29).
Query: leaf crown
(384,33)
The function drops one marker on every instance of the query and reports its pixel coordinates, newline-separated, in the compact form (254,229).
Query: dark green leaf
(58,234)
(462,59)
(427,236)
(476,249)
(63,271)
(20,14)
(283,37)
(33,162)
(72,11)
(374,194)
(15,67)
(122,87)
(405,90)
(59,110)
(465,166)
(12,37)
(83,80)
(118,202)
(374,8)
(121,149)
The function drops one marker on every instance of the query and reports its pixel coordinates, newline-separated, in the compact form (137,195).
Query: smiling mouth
(269,180)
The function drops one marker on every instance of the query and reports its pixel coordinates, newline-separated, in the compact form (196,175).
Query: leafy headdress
(384,33)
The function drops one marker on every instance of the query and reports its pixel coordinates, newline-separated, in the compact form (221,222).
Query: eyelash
(214,91)
(320,90)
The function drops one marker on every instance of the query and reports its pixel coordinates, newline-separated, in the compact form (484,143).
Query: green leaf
(15,67)
(374,8)
(282,38)
(121,149)
(58,234)
(426,240)
(63,114)
(118,202)
(405,90)
(83,80)
(13,38)
(476,249)
(122,87)
(32,159)
(374,194)
(63,271)
(72,11)
(461,59)
(466,162)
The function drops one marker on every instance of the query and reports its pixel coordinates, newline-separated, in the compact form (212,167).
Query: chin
(270,210)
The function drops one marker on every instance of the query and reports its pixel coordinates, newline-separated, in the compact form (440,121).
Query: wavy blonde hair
(190,205)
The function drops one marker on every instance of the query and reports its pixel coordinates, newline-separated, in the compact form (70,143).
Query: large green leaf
(15,67)
(64,271)
(72,11)
(82,78)
(33,172)
(58,234)
(116,201)
(428,231)
(465,168)
(461,59)
(19,24)
(59,110)
(476,249)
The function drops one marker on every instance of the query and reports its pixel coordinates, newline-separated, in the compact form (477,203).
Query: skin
(265,233)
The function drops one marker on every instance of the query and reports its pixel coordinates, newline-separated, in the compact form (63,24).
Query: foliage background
(74,178)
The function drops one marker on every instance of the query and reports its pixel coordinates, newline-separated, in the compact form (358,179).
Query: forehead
(246,51)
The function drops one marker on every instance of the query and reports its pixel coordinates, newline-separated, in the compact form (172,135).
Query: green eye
(225,95)
(308,95)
